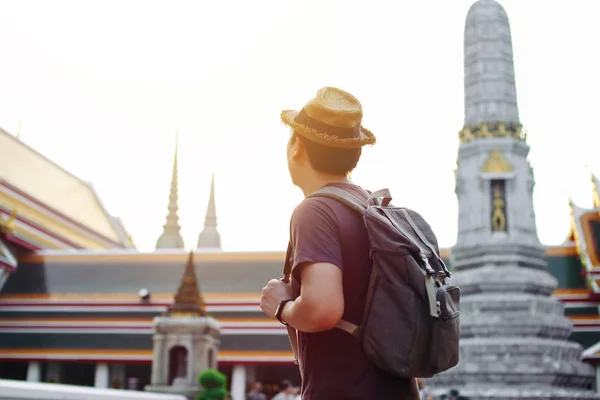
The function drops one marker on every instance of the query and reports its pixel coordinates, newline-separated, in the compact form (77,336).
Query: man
(331,261)
(287,391)
(256,392)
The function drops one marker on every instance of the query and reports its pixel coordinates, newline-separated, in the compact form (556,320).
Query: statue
(465,135)
(484,131)
(498,217)
(501,129)
(517,132)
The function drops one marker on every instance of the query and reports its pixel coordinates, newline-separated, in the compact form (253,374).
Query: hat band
(304,119)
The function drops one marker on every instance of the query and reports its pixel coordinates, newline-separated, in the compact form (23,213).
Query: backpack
(410,326)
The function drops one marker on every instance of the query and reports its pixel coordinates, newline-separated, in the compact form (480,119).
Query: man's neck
(316,182)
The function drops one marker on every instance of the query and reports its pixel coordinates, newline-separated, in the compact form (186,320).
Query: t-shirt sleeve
(315,234)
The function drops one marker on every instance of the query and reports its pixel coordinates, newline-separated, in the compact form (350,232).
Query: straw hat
(332,118)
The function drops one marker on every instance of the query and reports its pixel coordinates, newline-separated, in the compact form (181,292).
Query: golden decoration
(501,130)
(517,132)
(496,163)
(491,129)
(596,195)
(8,227)
(498,217)
(484,131)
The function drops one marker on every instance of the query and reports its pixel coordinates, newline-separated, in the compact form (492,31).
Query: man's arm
(321,302)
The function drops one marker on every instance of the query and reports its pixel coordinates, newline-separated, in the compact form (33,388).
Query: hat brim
(366,136)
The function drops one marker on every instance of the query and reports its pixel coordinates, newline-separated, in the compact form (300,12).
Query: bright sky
(100,87)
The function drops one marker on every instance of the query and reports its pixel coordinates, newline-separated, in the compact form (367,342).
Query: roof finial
(18,135)
(188,300)
(596,190)
(171,236)
(209,237)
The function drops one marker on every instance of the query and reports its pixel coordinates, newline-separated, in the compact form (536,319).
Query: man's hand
(273,294)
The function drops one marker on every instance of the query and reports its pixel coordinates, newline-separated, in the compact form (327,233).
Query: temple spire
(171,236)
(489,77)
(188,300)
(209,237)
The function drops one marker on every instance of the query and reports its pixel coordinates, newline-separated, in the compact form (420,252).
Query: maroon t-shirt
(332,363)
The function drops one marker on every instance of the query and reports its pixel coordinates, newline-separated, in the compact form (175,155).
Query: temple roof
(188,299)
(128,272)
(7,258)
(585,226)
(40,178)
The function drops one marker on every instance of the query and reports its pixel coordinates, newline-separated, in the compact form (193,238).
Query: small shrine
(186,340)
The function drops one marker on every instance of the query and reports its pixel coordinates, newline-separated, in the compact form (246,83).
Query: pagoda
(186,340)
(514,334)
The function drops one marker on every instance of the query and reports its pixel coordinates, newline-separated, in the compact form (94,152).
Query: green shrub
(213,384)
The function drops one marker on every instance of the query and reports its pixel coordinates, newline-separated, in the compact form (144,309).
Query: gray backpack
(410,327)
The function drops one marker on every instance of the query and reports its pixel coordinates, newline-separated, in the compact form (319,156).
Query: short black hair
(330,160)
(286,384)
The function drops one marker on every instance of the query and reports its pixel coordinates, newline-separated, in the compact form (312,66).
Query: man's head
(306,158)
(287,387)
(327,136)
(257,387)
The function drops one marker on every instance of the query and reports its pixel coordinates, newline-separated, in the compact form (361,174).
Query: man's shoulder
(320,205)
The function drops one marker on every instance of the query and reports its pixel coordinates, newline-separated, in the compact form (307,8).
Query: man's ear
(297,147)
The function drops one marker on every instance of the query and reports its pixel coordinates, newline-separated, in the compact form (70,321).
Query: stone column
(101,379)
(238,382)
(33,372)
(158,359)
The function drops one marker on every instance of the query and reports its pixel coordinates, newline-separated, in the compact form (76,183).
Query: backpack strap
(342,195)
(287,275)
(383,197)
(424,240)
(287,266)
(384,194)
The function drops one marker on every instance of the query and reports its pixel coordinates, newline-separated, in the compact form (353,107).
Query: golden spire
(188,300)
(171,236)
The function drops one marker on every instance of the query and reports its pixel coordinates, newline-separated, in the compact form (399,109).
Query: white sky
(100,87)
